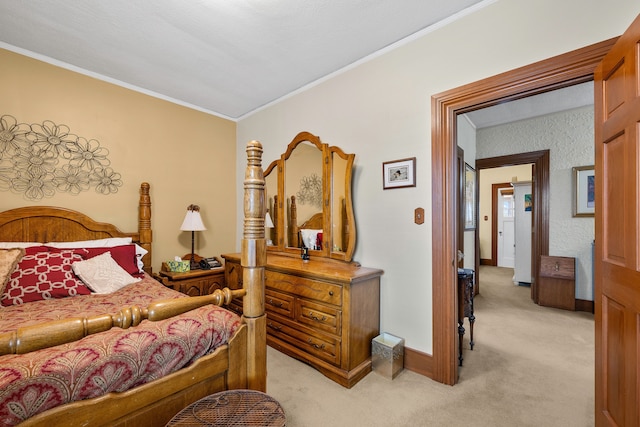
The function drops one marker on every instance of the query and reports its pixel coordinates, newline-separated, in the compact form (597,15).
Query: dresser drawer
(280,303)
(319,316)
(314,289)
(317,345)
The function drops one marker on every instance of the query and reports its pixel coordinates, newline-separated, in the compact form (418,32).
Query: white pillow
(98,243)
(140,252)
(102,274)
(309,237)
(10,245)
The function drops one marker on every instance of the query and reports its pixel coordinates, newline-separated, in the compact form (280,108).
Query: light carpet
(531,366)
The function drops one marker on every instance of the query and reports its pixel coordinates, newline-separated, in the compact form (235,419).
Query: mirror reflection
(340,222)
(271,198)
(309,199)
(303,188)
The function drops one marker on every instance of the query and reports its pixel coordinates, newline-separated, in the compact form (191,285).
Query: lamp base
(194,265)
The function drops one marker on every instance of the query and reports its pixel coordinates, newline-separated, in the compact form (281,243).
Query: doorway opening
(558,72)
(540,192)
(504,209)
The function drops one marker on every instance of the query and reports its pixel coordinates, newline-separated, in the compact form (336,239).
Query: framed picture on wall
(584,183)
(399,173)
(469,197)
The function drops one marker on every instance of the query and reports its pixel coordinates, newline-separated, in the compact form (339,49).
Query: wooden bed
(239,364)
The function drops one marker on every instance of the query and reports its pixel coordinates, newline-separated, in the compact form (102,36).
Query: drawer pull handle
(316,346)
(272,326)
(557,266)
(316,318)
(275,304)
(331,293)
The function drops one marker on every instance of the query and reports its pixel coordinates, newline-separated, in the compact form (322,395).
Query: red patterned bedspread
(111,361)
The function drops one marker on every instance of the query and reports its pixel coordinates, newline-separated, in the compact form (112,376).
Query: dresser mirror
(308,195)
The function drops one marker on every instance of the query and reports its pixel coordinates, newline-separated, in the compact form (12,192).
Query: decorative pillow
(43,275)
(32,250)
(102,274)
(8,260)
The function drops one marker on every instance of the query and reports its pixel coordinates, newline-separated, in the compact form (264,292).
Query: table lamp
(193,222)
(268,225)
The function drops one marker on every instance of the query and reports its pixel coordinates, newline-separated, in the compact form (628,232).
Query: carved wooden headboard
(54,224)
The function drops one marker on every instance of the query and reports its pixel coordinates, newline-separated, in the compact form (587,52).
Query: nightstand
(195,282)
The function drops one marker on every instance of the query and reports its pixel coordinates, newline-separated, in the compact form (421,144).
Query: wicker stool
(232,408)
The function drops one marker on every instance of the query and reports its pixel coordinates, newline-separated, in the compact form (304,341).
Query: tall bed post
(144,224)
(253,261)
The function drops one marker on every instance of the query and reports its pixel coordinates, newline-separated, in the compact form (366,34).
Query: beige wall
(187,156)
(380,110)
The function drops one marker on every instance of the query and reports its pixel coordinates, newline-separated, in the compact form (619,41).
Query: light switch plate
(419,216)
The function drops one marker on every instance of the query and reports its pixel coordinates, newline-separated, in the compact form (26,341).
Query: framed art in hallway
(469,197)
(399,173)
(584,183)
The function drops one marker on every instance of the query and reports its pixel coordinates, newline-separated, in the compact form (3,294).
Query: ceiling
(225,57)
(567,98)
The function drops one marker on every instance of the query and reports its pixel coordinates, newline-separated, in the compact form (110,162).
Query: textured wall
(569,137)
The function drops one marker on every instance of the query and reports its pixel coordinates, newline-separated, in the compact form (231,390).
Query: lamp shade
(192,221)
(268,223)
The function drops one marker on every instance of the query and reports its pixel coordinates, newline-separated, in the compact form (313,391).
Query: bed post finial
(253,260)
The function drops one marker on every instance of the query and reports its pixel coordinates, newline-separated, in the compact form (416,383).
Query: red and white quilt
(112,361)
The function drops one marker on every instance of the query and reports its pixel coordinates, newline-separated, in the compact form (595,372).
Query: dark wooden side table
(232,408)
(195,282)
(557,282)
(465,307)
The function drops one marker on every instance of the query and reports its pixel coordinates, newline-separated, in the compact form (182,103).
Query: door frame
(560,71)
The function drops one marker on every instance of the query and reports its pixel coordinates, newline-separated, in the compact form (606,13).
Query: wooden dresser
(323,312)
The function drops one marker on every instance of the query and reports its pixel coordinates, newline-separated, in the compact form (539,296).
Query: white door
(506,229)
(523,211)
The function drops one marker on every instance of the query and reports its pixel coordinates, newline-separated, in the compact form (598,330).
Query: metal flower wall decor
(310,191)
(39,159)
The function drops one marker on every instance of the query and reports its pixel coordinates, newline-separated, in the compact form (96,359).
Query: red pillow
(124,255)
(35,249)
(42,274)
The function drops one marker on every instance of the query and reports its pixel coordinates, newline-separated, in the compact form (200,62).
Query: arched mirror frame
(279,210)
